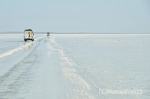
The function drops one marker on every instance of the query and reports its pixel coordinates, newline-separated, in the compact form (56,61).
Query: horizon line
(40,32)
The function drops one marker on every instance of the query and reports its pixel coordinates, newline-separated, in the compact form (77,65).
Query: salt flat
(75,66)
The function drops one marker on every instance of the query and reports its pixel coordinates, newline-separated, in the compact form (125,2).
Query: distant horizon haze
(67,16)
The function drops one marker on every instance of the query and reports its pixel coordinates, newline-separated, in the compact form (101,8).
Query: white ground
(70,66)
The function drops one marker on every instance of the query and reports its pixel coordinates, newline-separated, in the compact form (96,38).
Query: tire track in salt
(82,88)
(10,52)
(17,76)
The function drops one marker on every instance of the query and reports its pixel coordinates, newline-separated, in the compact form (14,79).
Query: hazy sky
(103,16)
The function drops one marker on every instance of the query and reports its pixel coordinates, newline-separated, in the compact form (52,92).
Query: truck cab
(28,35)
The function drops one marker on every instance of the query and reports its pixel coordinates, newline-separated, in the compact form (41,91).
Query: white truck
(28,35)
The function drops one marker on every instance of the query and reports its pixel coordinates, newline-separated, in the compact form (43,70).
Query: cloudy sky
(101,16)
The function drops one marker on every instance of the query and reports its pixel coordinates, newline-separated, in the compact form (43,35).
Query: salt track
(57,68)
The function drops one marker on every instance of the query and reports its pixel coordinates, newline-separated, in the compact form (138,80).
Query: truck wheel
(32,39)
(25,40)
